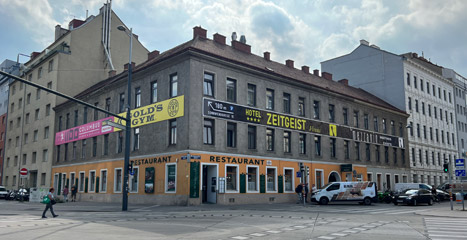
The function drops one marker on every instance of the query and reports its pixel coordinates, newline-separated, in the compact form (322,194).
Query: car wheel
(367,201)
(323,201)
(430,202)
(415,202)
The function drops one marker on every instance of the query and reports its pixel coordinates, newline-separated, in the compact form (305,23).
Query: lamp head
(122,28)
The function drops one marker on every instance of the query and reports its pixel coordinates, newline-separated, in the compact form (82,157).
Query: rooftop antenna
(86,14)
(422,54)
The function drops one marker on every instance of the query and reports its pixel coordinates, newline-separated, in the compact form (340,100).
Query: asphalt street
(88,220)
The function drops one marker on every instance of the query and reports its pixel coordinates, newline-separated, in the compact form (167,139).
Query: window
(435,112)
(96,113)
(393,128)
(434,90)
(35,135)
(271,179)
(106,144)
(346,149)
(410,103)
(107,108)
(316,109)
(137,97)
(331,113)
(367,152)
(92,181)
(415,81)
(118,180)
(345,115)
(450,97)
(378,159)
(439,92)
(103,182)
(136,139)
(231,178)
(94,146)
(43,177)
(408,79)
(121,103)
(436,134)
(270,139)
(332,147)
(251,137)
(365,121)
(355,118)
(28,98)
(252,173)
(20,103)
(444,94)
(120,142)
(173,132)
(49,86)
(38,94)
(36,115)
(428,87)
(231,90)
(357,151)
(421,85)
(85,115)
(418,130)
(173,85)
(386,154)
(424,131)
(12,108)
(251,97)
(269,99)
(286,102)
(411,129)
(289,180)
(375,124)
(231,134)
(134,180)
(287,141)
(317,145)
(51,65)
(74,150)
(301,106)
(46,132)
(208,132)
(423,108)
(45,155)
(39,73)
(154,92)
(302,143)
(416,105)
(429,110)
(208,85)
(34,157)
(385,128)
(83,148)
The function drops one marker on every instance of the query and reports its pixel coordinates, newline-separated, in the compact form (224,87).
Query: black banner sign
(234,112)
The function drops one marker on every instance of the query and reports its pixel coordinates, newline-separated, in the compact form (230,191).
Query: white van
(364,192)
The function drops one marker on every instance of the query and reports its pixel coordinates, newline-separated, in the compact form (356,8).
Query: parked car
(364,192)
(413,197)
(22,194)
(442,195)
(3,192)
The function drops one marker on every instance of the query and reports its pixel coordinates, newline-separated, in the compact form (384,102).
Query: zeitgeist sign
(152,113)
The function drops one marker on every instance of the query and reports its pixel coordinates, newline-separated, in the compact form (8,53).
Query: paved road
(84,220)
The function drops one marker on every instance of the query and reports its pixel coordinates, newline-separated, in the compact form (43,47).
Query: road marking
(445,235)
(258,234)
(350,231)
(326,237)
(299,226)
(273,232)
(339,234)
(240,237)
(360,229)
(287,229)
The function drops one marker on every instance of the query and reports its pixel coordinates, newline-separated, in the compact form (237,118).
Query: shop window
(171,178)
(118,180)
(231,178)
(103,182)
(252,179)
(134,180)
(271,179)
(288,180)
(81,182)
(92,181)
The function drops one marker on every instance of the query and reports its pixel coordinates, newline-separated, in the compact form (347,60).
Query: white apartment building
(415,85)
(82,55)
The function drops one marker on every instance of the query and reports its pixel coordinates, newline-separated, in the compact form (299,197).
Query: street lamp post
(128,124)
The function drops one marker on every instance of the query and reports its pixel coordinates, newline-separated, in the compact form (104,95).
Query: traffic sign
(460,173)
(23,171)
(460,162)
(299,174)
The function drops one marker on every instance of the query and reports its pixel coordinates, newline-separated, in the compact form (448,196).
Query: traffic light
(307,171)
(302,167)
(130,168)
(446,167)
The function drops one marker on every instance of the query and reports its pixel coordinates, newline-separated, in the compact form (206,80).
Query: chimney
(344,81)
(135,36)
(267,56)
(199,32)
(241,46)
(34,54)
(414,55)
(219,38)
(289,63)
(125,67)
(153,54)
(112,73)
(306,69)
(316,72)
(326,75)
(74,24)
(364,42)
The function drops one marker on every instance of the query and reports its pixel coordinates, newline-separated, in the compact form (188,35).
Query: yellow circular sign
(172,109)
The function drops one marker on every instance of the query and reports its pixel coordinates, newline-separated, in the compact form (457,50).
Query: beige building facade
(81,55)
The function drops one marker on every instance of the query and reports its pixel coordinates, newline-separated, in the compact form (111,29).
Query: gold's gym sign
(155,112)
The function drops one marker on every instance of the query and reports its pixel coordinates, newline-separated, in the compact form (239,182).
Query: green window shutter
(194,179)
(281,184)
(262,183)
(59,183)
(68,183)
(86,185)
(242,183)
(76,182)
(97,184)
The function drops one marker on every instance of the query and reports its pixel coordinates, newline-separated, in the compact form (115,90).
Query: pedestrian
(299,190)
(52,201)
(73,193)
(435,194)
(65,194)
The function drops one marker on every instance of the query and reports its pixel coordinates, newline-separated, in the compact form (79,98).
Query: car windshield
(2,189)
(327,185)
(411,191)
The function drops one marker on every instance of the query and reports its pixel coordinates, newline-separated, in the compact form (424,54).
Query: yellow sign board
(332,130)
(155,112)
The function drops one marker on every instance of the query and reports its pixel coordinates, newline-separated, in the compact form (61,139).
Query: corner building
(230,127)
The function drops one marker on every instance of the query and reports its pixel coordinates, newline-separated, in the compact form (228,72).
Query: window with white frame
(231,177)
(118,180)
(271,176)
(288,180)
(252,173)
(81,182)
(103,182)
(72,180)
(92,181)
(319,178)
(63,181)
(134,180)
(171,178)
(369,177)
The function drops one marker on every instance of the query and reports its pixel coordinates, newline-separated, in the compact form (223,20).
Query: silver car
(3,192)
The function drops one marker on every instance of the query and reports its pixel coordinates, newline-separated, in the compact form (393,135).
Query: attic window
(270,69)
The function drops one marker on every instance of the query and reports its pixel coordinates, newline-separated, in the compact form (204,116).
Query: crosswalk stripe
(450,236)
(446,228)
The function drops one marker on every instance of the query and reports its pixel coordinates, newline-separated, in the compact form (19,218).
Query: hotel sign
(234,112)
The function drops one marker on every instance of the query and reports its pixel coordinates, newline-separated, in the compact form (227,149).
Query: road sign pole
(450,183)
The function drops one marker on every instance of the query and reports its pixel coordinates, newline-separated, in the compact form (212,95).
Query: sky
(306,31)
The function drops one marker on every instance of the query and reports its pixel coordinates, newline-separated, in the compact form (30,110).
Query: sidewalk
(456,213)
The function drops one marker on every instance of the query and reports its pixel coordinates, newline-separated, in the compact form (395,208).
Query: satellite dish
(243,39)
(234,36)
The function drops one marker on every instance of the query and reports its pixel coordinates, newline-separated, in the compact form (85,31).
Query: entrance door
(209,188)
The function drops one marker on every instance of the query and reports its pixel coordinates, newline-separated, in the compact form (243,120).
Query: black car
(414,197)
